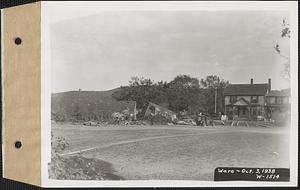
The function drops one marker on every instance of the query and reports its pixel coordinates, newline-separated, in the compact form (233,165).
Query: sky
(101,51)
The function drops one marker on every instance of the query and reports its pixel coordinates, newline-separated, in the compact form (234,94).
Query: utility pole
(215,100)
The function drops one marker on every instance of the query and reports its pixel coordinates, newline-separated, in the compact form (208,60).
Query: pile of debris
(159,119)
(154,115)
(158,115)
(186,121)
(121,118)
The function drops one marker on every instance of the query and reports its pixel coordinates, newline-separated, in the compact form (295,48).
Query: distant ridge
(86,105)
(104,91)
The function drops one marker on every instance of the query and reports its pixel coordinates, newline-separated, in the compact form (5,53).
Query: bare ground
(176,152)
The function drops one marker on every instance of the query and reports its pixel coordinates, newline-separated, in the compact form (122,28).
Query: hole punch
(18,41)
(18,144)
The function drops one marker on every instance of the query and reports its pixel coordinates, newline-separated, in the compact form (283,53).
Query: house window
(278,100)
(233,99)
(285,100)
(254,99)
(271,100)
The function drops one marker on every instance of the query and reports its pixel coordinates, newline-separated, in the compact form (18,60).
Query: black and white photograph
(169,94)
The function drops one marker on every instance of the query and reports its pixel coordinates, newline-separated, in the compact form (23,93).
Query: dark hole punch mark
(18,144)
(18,41)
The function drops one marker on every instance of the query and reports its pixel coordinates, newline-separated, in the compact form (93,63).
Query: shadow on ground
(81,168)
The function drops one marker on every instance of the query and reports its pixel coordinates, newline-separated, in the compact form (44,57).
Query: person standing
(223,119)
(199,119)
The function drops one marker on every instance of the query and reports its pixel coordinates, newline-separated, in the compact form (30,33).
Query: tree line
(183,94)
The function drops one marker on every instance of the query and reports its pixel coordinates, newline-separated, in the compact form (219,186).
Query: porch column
(249,113)
(263,113)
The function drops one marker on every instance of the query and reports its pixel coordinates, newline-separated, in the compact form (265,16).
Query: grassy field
(176,152)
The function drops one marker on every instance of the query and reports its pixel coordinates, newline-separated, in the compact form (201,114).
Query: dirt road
(176,152)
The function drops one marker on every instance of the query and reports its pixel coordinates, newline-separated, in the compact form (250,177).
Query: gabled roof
(241,102)
(285,92)
(246,89)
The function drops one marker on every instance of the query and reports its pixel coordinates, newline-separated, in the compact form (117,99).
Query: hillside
(86,105)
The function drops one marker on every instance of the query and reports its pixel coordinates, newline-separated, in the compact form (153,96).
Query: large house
(256,101)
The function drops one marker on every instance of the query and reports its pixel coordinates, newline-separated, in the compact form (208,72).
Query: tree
(184,94)
(140,81)
(285,33)
(143,91)
(185,81)
(213,81)
(214,86)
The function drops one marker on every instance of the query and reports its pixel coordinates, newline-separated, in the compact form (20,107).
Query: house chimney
(269,81)
(251,81)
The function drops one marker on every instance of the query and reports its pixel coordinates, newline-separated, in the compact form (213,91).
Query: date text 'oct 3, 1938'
(251,174)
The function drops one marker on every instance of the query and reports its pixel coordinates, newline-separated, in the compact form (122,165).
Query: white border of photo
(57,11)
